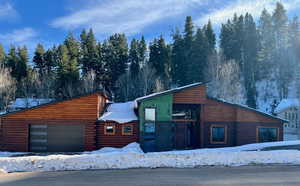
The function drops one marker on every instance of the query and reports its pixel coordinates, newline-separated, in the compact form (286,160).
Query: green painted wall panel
(163,105)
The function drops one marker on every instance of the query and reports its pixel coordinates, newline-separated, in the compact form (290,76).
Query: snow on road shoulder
(131,156)
(132,147)
(8,154)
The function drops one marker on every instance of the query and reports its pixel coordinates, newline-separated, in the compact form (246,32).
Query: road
(213,176)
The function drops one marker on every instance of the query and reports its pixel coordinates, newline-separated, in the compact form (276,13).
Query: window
(109,129)
(267,134)
(149,128)
(285,115)
(218,134)
(127,129)
(150,114)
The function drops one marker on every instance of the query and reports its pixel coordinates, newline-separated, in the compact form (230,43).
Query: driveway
(213,176)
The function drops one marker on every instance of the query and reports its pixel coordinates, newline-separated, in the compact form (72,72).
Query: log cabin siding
(246,115)
(78,111)
(218,111)
(246,132)
(116,140)
(230,134)
(194,95)
(82,108)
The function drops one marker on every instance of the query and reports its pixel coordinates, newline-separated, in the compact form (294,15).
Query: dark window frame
(225,134)
(262,127)
(127,133)
(109,133)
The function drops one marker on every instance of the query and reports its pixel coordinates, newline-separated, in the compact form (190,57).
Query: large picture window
(267,134)
(218,134)
(150,114)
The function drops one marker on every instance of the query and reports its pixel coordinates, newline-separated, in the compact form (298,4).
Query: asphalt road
(213,176)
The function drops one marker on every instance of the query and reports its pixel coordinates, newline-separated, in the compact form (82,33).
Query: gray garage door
(56,138)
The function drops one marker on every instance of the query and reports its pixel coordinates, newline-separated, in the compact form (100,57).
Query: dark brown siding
(230,134)
(117,140)
(83,110)
(246,131)
(217,111)
(245,115)
(241,123)
(195,95)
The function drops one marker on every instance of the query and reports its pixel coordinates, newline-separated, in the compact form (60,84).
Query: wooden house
(186,118)
(180,118)
(54,127)
(118,126)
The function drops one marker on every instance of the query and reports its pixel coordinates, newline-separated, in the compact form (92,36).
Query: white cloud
(128,16)
(7,10)
(19,36)
(220,15)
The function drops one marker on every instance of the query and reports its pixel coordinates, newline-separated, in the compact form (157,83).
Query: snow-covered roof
(167,91)
(287,103)
(120,113)
(21,103)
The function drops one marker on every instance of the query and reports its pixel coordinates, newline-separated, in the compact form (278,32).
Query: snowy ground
(9,154)
(131,156)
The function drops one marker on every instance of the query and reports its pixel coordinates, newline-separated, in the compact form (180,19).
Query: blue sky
(28,22)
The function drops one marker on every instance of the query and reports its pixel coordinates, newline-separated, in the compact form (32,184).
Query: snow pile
(287,103)
(131,156)
(130,148)
(120,112)
(8,154)
(22,103)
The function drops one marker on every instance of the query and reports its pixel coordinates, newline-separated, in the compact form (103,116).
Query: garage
(56,138)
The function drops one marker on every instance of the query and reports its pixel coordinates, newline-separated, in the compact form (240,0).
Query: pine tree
(142,50)
(282,61)
(211,37)
(159,57)
(50,58)
(267,45)
(22,63)
(188,42)
(178,67)
(199,57)
(250,53)
(12,60)
(227,40)
(280,21)
(38,59)
(2,56)
(89,57)
(115,56)
(68,74)
(133,57)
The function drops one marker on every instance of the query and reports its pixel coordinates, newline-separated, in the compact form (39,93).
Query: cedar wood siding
(241,123)
(193,95)
(83,110)
(217,113)
(116,140)
(248,121)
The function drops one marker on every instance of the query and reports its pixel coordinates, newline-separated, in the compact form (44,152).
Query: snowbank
(130,148)
(21,103)
(8,154)
(131,156)
(287,103)
(120,112)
